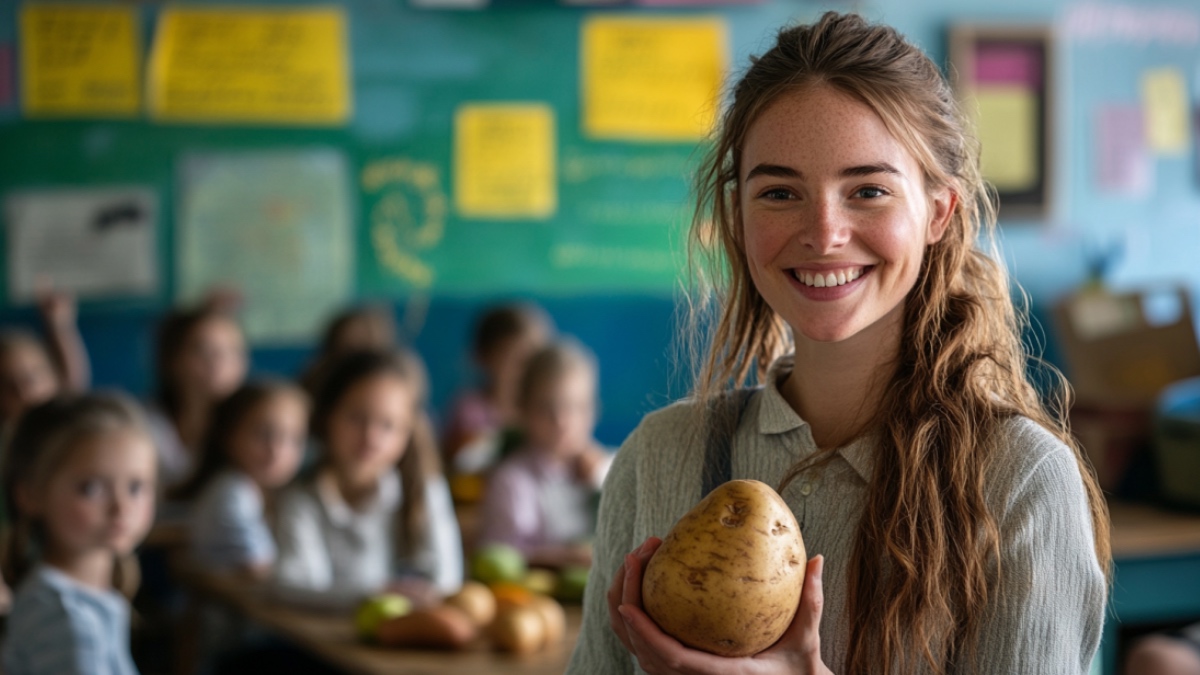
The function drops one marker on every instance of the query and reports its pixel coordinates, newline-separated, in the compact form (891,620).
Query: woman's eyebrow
(869,169)
(774,170)
(781,171)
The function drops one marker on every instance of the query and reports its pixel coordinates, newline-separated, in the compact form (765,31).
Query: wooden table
(333,639)
(1156,577)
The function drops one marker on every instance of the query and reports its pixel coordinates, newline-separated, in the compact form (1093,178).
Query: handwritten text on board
(651,79)
(263,65)
(79,60)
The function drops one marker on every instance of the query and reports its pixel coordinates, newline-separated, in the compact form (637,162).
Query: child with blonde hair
(79,483)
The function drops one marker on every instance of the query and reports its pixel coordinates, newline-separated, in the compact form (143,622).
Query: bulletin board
(612,218)
(1004,76)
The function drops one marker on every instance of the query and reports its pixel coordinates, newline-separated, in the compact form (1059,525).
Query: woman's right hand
(798,651)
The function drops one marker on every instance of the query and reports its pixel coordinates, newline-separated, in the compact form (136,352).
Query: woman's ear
(942,205)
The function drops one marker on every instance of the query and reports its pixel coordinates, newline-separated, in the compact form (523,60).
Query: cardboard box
(1120,352)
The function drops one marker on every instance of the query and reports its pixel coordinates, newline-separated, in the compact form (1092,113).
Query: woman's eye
(871,192)
(136,487)
(777,194)
(89,488)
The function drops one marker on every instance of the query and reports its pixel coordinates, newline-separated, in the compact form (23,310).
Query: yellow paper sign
(1007,128)
(504,161)
(79,60)
(1165,100)
(285,66)
(651,79)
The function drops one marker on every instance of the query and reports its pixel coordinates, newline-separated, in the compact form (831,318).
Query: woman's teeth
(827,279)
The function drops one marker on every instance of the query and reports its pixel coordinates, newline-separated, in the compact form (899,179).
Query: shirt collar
(386,498)
(776,416)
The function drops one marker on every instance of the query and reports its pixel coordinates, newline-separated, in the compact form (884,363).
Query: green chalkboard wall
(622,206)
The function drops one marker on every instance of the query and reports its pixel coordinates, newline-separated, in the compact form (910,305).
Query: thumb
(803,635)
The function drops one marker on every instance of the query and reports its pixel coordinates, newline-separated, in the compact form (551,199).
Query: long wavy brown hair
(961,371)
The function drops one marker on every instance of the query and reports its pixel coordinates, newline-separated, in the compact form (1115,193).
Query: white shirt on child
(228,526)
(59,626)
(331,556)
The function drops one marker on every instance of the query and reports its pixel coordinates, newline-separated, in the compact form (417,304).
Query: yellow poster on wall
(79,60)
(651,79)
(264,65)
(1007,128)
(504,161)
(1165,102)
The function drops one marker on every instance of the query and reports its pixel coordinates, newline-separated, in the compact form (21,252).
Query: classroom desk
(333,639)
(1156,576)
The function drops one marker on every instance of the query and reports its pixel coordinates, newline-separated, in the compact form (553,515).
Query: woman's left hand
(798,651)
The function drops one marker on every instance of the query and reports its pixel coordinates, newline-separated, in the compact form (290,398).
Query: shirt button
(806,489)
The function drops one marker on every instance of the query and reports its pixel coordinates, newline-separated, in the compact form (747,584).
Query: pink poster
(1009,63)
(1124,163)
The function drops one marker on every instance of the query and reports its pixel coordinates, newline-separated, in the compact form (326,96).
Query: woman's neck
(837,387)
(93,568)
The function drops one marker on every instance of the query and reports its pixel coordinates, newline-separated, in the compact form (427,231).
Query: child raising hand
(79,479)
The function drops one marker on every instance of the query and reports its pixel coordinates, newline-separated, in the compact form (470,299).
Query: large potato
(728,576)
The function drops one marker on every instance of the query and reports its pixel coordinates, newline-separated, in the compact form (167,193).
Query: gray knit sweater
(1047,619)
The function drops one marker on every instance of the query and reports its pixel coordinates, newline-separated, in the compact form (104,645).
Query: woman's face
(268,443)
(370,427)
(836,215)
(213,359)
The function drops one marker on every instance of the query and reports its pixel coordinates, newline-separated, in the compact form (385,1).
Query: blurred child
(504,338)
(33,371)
(253,448)
(361,328)
(541,498)
(376,513)
(79,480)
(201,358)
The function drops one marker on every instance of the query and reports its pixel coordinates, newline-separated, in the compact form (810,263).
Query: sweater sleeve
(1049,607)
(598,649)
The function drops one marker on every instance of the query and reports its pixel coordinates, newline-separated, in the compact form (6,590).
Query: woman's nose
(826,227)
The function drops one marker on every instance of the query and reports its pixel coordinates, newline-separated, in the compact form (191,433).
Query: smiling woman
(961,529)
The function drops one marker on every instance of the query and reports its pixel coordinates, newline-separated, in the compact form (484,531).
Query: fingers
(812,605)
(635,566)
(626,588)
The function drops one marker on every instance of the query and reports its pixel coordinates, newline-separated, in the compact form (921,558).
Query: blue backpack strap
(724,413)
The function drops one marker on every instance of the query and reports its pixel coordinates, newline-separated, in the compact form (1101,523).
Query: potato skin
(728,576)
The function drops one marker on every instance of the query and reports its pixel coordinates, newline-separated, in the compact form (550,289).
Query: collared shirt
(58,626)
(332,555)
(1049,616)
(534,500)
(228,528)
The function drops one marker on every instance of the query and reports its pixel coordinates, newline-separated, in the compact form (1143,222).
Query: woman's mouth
(830,278)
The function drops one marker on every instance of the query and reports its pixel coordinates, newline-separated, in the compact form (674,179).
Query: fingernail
(624,613)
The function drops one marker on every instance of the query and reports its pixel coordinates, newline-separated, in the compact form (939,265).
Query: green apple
(377,609)
(496,563)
